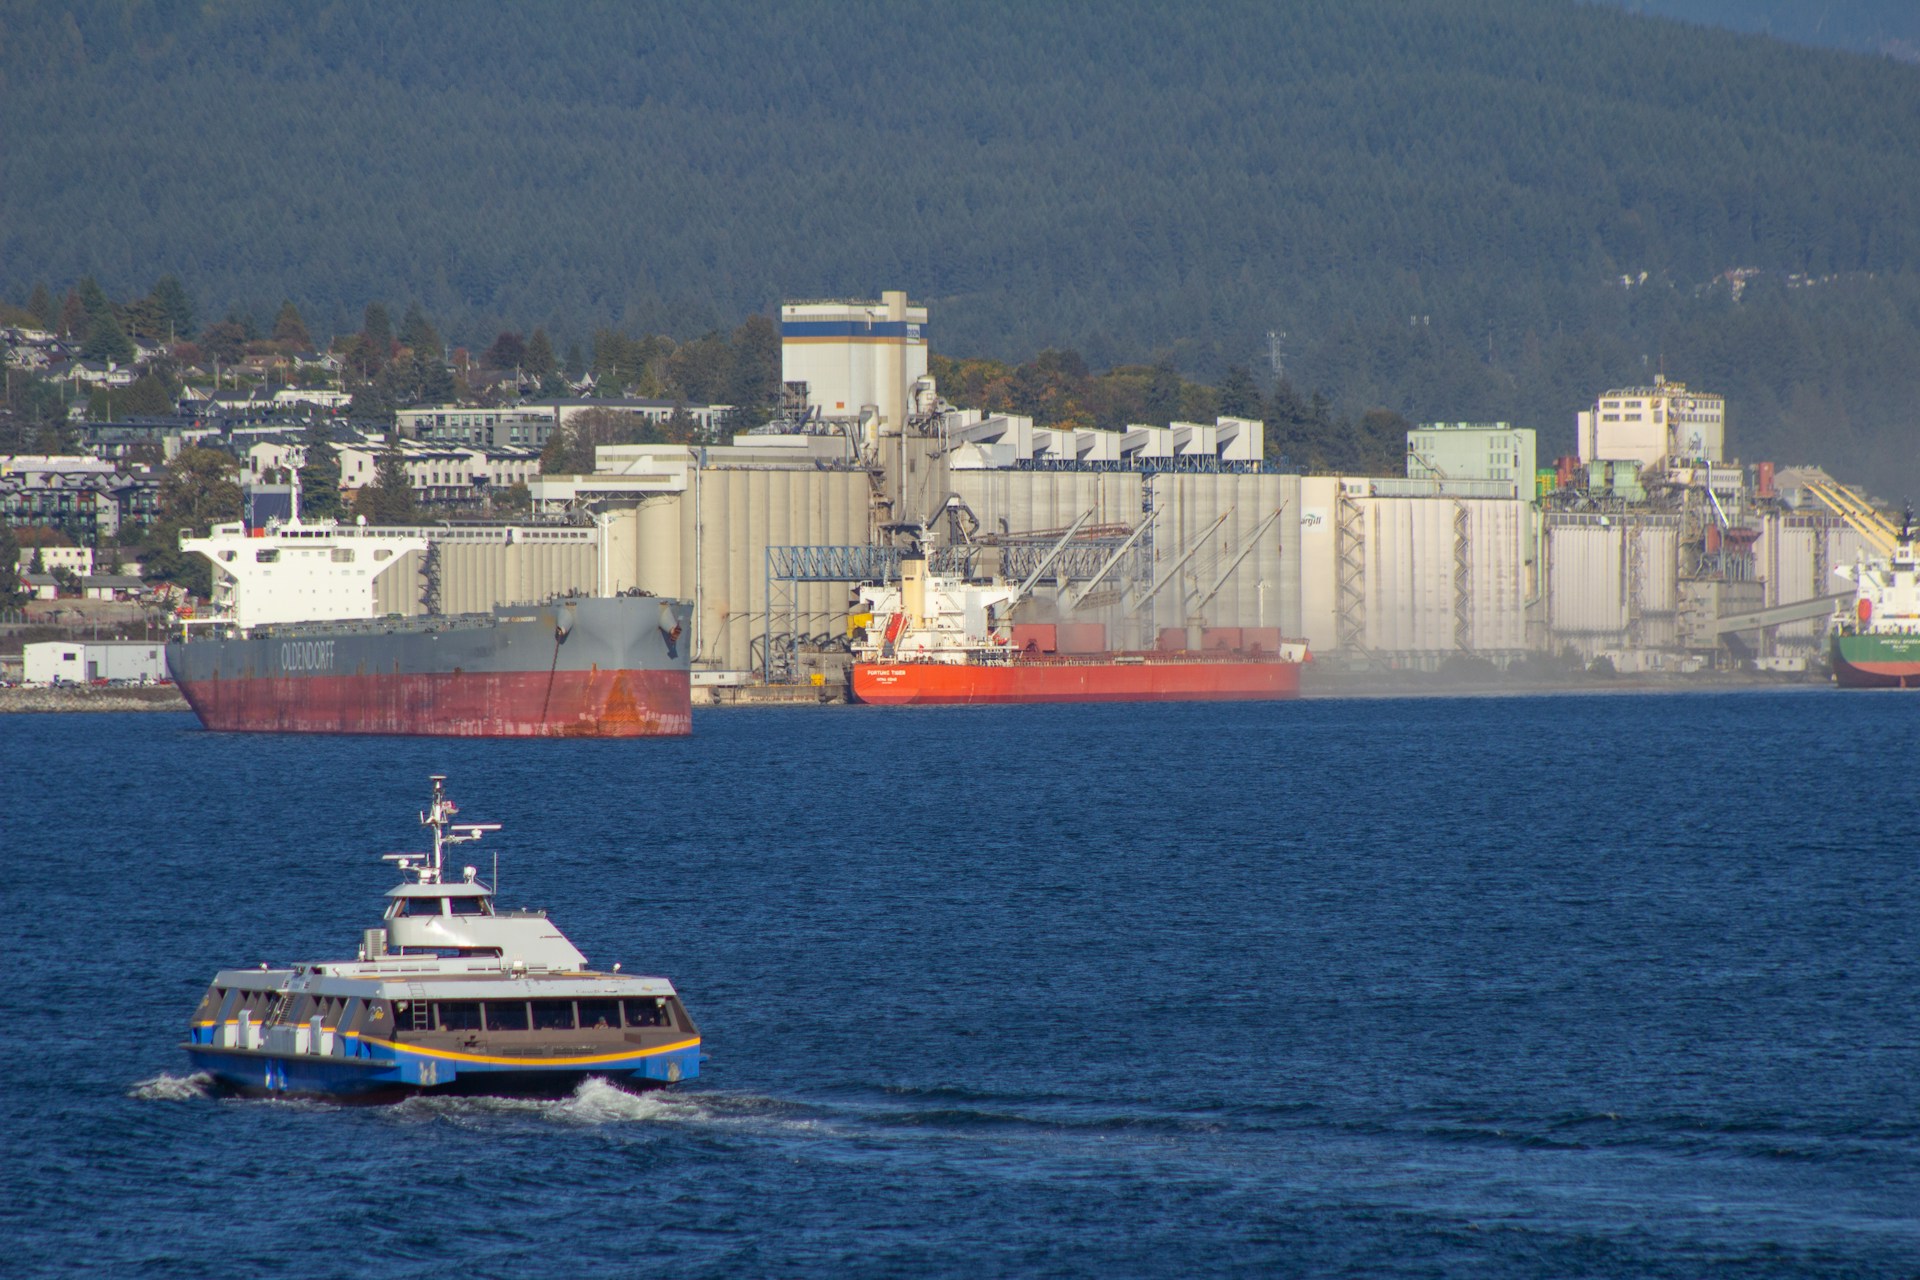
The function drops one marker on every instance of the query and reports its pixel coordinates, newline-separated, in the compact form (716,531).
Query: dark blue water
(1546,986)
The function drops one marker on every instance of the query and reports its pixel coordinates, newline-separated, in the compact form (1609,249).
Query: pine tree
(320,479)
(418,334)
(13,591)
(106,340)
(377,329)
(538,359)
(1163,394)
(290,330)
(1239,396)
(389,499)
(175,305)
(508,351)
(40,306)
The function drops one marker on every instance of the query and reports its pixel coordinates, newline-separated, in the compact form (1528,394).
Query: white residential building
(441,475)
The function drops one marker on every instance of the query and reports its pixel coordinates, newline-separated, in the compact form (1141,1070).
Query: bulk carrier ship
(1877,644)
(938,639)
(292,643)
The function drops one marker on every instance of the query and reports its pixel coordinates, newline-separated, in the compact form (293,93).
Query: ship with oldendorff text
(293,643)
(449,993)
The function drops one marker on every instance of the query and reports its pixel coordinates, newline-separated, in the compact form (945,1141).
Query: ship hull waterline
(1876,661)
(944,683)
(597,668)
(255,1073)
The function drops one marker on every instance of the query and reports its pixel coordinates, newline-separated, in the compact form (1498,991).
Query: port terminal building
(1648,546)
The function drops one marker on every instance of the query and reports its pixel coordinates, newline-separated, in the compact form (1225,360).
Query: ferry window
(600,1013)
(467,906)
(267,556)
(506,1015)
(419,907)
(646,1013)
(457,1015)
(553,1015)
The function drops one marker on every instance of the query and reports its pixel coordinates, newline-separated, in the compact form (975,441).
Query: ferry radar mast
(446,831)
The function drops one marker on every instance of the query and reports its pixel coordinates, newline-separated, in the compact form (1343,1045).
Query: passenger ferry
(448,995)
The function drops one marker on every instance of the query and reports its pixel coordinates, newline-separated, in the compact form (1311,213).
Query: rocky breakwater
(80,697)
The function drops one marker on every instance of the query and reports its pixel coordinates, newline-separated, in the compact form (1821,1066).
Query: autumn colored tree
(73,317)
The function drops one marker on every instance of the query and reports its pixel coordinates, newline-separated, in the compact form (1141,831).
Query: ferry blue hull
(376,1079)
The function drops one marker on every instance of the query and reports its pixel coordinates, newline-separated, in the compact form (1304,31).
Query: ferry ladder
(417,1007)
(278,1011)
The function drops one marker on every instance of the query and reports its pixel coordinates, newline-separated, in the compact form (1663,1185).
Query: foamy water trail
(598,1103)
(171,1088)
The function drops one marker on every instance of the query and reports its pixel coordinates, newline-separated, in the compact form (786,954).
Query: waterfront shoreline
(80,697)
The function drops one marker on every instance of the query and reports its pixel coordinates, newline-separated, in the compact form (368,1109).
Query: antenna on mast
(439,816)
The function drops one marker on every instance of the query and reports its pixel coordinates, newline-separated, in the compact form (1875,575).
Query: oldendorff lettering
(306,655)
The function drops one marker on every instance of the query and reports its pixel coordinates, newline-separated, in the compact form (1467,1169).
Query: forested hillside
(1450,208)
(1890,28)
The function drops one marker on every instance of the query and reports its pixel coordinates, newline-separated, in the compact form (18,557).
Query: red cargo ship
(937,640)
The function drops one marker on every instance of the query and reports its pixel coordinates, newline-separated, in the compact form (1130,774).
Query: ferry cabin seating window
(549,1015)
(507,1015)
(457,1015)
(646,1013)
(599,1013)
(553,1015)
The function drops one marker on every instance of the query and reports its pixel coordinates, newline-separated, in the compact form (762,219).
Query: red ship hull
(505,704)
(1149,677)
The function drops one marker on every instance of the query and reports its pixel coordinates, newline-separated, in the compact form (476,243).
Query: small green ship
(1877,646)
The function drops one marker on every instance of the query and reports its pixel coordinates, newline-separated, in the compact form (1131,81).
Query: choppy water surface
(1496,987)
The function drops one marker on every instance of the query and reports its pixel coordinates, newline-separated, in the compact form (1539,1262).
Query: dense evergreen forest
(1449,209)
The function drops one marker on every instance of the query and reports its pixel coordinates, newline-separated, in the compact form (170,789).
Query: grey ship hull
(597,667)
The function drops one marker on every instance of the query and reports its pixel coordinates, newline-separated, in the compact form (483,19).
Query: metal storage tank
(1263,590)
(727,523)
(1587,581)
(659,544)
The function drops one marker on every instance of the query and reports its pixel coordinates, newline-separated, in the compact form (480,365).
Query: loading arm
(1046,562)
(1078,594)
(1245,549)
(1179,564)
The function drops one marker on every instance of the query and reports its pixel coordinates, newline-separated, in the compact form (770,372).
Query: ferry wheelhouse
(448,994)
